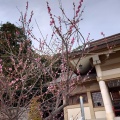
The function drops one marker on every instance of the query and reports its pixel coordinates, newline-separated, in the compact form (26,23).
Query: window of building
(97,99)
(75,99)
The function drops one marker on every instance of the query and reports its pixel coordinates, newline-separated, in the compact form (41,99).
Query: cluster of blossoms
(51,88)
(0,65)
(74,22)
(78,10)
(51,17)
(13,82)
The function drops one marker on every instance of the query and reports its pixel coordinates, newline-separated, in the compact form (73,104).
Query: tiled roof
(99,45)
(107,42)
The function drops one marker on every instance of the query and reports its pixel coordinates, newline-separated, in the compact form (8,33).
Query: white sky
(99,15)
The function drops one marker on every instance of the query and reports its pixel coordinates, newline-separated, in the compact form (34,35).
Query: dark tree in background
(11,38)
(12,35)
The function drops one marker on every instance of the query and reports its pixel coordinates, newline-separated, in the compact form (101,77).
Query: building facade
(101,88)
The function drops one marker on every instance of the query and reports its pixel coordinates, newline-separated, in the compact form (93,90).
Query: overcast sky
(99,15)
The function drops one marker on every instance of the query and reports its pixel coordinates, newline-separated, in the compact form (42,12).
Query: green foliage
(79,48)
(34,113)
(11,37)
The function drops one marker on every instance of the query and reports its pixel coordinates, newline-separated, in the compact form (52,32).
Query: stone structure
(101,89)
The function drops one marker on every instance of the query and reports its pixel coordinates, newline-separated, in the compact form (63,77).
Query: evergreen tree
(11,37)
